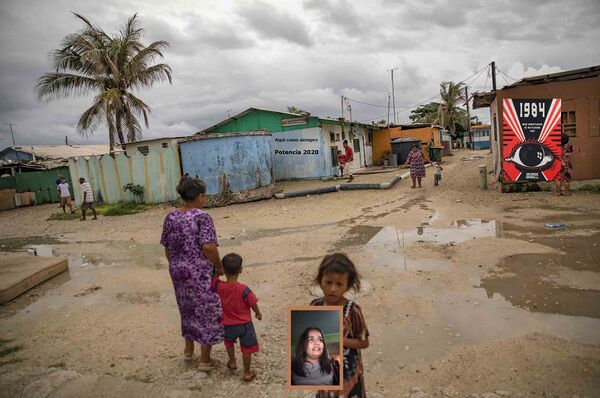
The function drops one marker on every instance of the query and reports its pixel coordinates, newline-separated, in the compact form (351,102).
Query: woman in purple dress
(417,165)
(190,242)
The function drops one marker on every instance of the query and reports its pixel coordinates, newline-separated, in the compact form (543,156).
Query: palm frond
(61,85)
(92,118)
(150,75)
(139,107)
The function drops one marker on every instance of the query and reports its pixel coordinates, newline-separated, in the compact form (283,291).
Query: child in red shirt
(236,300)
(341,162)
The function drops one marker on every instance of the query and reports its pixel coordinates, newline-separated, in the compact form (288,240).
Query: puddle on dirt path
(471,317)
(20,244)
(121,253)
(459,231)
(526,280)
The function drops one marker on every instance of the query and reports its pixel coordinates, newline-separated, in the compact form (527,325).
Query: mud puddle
(537,282)
(20,244)
(459,231)
(116,253)
(470,317)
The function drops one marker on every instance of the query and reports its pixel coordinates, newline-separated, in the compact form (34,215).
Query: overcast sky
(230,55)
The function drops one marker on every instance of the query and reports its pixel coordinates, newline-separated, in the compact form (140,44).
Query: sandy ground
(465,293)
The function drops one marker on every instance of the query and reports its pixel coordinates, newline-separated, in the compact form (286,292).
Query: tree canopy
(111,67)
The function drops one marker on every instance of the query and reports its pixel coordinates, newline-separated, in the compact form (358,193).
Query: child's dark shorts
(245,332)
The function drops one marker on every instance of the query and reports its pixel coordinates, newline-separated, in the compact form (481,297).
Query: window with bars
(568,123)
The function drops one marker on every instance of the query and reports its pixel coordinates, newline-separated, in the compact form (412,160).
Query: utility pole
(13,138)
(393,92)
(468,118)
(11,132)
(393,96)
(388,118)
(342,104)
(494,75)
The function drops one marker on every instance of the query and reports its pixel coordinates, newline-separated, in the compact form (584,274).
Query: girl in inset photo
(312,365)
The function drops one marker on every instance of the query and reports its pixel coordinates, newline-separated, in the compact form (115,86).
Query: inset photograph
(315,348)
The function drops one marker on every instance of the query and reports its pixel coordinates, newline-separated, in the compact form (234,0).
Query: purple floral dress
(417,164)
(183,235)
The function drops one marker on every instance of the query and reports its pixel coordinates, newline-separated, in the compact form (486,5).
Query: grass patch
(64,216)
(590,188)
(120,209)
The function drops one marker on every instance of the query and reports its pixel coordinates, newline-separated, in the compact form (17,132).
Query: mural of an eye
(531,156)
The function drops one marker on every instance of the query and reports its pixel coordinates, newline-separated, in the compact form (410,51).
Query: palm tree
(92,61)
(450,114)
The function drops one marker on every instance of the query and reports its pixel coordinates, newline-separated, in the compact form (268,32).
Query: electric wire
(406,108)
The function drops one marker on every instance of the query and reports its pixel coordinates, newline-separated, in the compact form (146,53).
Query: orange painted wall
(382,140)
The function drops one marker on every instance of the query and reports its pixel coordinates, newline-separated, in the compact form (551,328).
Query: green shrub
(136,189)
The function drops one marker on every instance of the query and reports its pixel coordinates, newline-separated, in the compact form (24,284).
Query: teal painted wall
(42,183)
(158,172)
(259,119)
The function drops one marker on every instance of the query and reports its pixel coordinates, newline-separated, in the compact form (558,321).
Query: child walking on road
(237,299)
(437,172)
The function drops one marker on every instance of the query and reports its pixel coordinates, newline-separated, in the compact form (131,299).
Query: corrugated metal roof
(63,151)
(484,100)
(575,74)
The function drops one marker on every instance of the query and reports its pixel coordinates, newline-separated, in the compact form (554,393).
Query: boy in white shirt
(65,195)
(437,172)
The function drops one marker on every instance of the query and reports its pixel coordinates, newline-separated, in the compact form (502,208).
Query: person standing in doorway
(349,161)
(65,195)
(341,162)
(88,199)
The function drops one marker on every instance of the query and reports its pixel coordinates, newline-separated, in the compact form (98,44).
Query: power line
(501,72)
(406,108)
(487,76)
(366,103)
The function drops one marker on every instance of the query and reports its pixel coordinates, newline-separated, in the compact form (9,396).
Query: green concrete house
(304,146)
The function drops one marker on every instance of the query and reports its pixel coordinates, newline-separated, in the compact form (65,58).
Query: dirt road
(465,292)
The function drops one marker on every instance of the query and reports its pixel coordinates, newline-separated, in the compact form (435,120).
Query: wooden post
(483,177)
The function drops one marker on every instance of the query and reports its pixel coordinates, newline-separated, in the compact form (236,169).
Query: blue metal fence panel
(229,162)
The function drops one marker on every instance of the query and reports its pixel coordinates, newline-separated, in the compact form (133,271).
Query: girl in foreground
(337,275)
